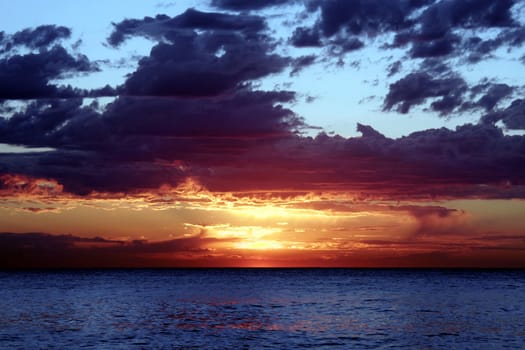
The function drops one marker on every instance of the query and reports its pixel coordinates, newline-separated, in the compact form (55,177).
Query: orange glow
(262,229)
(261,244)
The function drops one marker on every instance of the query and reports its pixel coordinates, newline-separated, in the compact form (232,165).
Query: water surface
(262,308)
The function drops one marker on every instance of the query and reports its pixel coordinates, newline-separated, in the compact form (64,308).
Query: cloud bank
(193,107)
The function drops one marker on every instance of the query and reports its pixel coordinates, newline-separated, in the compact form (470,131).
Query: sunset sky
(262,133)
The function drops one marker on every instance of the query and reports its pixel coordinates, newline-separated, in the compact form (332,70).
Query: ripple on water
(222,309)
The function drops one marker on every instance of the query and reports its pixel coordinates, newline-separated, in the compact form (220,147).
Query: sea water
(262,309)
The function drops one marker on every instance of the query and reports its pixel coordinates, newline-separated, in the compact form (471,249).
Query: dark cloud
(302,62)
(435,48)
(447,92)
(441,29)
(369,17)
(513,116)
(241,5)
(435,67)
(443,16)
(39,250)
(492,94)
(394,68)
(39,122)
(476,258)
(306,37)
(341,45)
(470,162)
(29,76)
(132,144)
(181,68)
(128,28)
(343,22)
(36,73)
(230,52)
(479,49)
(41,36)
(440,23)
(82,172)
(191,109)
(162,27)
(190,100)
(217,21)
(416,88)
(248,114)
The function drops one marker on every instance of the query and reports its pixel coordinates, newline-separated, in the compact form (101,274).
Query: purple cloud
(415,88)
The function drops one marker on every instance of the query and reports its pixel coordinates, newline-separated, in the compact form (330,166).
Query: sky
(275,133)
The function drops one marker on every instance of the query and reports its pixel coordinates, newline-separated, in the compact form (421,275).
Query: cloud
(229,52)
(36,71)
(163,27)
(473,161)
(447,92)
(240,5)
(132,144)
(69,125)
(302,62)
(306,37)
(178,69)
(13,184)
(342,25)
(475,258)
(38,38)
(164,111)
(436,222)
(492,95)
(435,48)
(440,22)
(479,49)
(442,16)
(444,33)
(369,17)
(166,125)
(513,116)
(415,88)
(42,121)
(29,76)
(41,36)
(394,68)
(341,45)
(40,250)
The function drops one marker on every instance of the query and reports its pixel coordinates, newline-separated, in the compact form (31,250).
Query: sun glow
(263,244)
(240,232)
(247,237)
(235,225)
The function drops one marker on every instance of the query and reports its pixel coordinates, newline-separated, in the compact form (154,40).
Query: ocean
(262,309)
